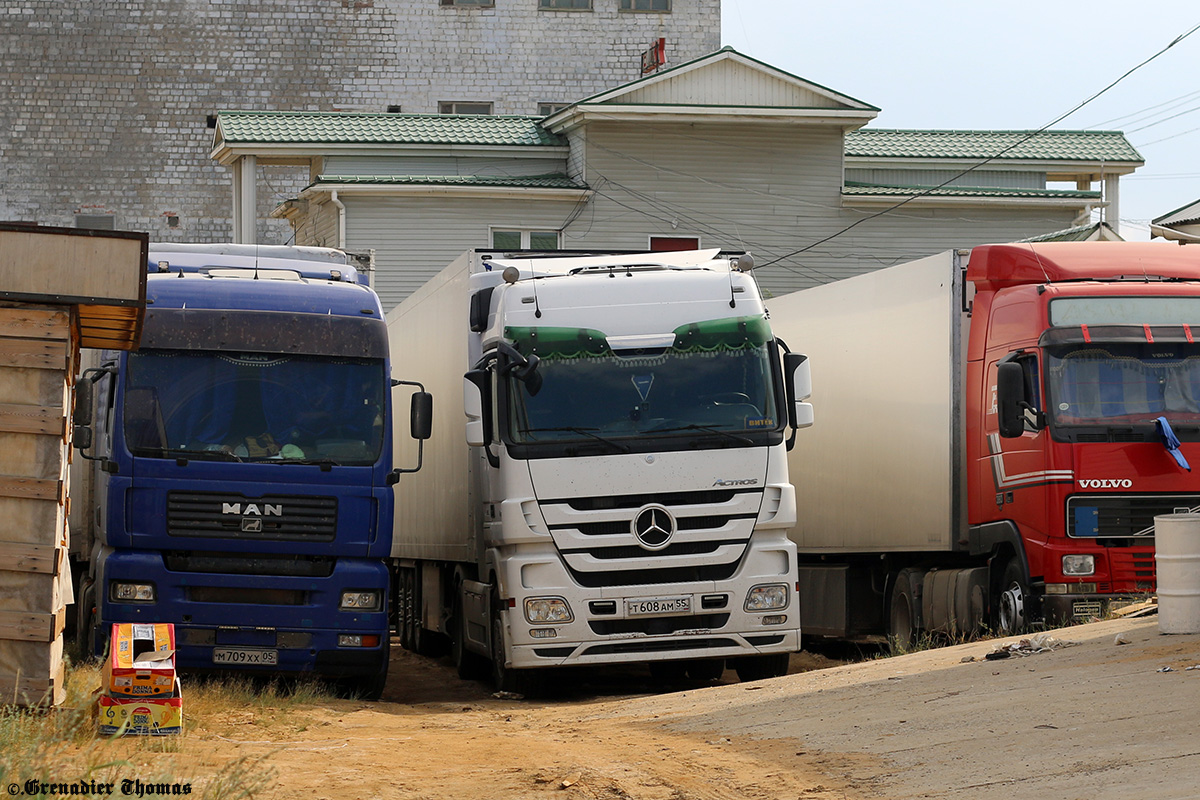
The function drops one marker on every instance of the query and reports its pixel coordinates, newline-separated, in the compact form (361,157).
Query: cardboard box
(141,661)
(142,716)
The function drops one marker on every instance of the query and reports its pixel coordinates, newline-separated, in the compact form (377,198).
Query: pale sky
(1016,65)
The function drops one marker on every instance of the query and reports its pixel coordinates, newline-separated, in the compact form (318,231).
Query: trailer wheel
(757,668)
(902,615)
(1013,606)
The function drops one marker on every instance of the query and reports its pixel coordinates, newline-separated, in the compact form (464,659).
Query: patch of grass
(60,745)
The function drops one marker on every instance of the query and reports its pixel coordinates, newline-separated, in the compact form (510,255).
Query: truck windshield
(714,379)
(1123,383)
(254,406)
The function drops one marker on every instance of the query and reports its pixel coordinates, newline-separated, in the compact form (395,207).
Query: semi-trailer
(999,428)
(621,494)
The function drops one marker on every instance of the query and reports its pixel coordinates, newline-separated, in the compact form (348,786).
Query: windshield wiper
(583,431)
(185,453)
(324,462)
(707,428)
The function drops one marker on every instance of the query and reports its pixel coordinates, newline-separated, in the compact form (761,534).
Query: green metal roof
(856,189)
(1111,146)
(1080,233)
(521,181)
(296,127)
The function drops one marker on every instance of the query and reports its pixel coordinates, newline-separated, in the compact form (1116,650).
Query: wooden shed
(60,289)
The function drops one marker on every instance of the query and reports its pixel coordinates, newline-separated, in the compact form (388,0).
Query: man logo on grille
(654,526)
(252,524)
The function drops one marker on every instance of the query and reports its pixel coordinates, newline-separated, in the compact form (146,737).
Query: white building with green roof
(721,151)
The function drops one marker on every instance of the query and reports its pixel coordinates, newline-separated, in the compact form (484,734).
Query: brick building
(109,107)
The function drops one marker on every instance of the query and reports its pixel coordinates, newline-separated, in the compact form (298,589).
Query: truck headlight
(547,609)
(1079,565)
(767,597)
(123,592)
(359,601)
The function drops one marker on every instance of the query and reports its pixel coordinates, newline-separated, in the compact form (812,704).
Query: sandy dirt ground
(1091,719)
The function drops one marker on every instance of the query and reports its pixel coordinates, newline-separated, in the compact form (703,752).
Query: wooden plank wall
(37,357)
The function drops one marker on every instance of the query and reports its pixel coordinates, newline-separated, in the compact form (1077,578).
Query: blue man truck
(240,481)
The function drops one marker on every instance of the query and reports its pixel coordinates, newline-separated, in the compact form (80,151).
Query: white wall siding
(1002,179)
(415,237)
(442,165)
(770,189)
(731,83)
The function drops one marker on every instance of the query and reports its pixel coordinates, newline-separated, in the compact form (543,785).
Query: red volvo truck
(999,428)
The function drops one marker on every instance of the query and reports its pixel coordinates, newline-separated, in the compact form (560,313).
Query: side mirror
(82,414)
(798,372)
(420,416)
(1010,399)
(420,423)
(475,385)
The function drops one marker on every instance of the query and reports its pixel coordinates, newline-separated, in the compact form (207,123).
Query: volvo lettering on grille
(653,526)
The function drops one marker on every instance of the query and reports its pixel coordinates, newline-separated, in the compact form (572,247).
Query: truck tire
(1013,603)
(406,613)
(369,686)
(470,666)
(85,633)
(757,668)
(504,679)
(902,615)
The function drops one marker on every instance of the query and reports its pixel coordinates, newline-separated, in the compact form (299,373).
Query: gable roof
(238,132)
(1183,215)
(1108,147)
(1096,232)
(721,85)
(1181,225)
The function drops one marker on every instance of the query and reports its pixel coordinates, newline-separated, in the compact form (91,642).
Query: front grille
(658,626)
(241,595)
(637,577)
(635,552)
(1123,516)
(1132,571)
(249,564)
(668,646)
(233,516)
(596,537)
(667,499)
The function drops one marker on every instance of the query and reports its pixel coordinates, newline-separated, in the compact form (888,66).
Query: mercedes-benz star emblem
(653,526)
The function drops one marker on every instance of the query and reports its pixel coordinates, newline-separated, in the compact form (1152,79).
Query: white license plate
(245,655)
(647,606)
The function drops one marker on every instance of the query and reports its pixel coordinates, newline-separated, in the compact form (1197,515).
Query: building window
(457,107)
(96,222)
(664,244)
(524,240)
(393,109)
(661,6)
(566,5)
(546,109)
(470,3)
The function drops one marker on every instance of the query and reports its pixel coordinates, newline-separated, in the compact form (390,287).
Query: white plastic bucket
(1177,559)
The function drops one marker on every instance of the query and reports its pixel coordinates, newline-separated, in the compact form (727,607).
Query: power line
(988,160)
